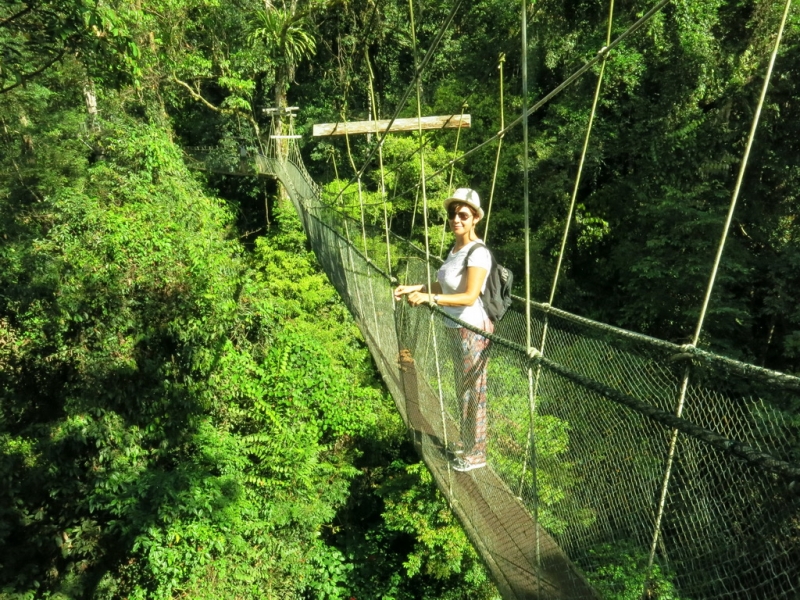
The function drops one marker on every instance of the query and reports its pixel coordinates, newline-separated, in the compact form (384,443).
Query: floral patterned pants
(470,361)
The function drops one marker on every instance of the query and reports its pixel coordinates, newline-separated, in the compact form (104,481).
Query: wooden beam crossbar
(412,124)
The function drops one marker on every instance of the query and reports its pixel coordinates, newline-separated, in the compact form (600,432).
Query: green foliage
(99,34)
(620,573)
(675,109)
(170,423)
(179,417)
(416,508)
(403,539)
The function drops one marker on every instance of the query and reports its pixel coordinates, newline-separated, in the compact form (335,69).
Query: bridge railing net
(594,474)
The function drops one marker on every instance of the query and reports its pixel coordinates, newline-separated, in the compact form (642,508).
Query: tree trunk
(281,145)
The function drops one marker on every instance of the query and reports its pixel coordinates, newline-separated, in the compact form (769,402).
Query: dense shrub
(165,427)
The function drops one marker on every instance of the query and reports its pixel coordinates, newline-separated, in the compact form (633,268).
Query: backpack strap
(475,246)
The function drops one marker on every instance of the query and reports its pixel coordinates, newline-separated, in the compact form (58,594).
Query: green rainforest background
(188,410)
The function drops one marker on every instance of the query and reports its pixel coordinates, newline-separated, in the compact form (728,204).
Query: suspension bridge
(606,447)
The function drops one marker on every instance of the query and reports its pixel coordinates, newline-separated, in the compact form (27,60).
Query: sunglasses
(463,215)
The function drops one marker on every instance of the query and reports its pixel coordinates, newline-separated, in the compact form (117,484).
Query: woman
(460,281)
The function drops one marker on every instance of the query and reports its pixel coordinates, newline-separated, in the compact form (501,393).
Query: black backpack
(497,295)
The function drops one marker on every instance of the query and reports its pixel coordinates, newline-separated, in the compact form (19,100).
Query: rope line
(450,183)
(686,351)
(497,156)
(427,232)
(530,448)
(558,89)
(417,76)
(712,279)
(582,161)
(743,451)
(740,176)
(351,246)
(380,164)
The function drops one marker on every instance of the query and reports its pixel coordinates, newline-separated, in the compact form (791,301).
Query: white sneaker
(463,465)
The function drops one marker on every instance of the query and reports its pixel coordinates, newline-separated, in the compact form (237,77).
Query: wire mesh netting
(579,437)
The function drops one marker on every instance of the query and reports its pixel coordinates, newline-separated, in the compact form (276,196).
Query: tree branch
(197,96)
(21,13)
(38,71)
(195,93)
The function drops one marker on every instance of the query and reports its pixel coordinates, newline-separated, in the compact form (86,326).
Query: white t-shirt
(452,278)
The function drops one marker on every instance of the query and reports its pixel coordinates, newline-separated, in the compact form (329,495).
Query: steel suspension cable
(546,319)
(570,211)
(464,106)
(418,69)
(497,156)
(558,89)
(366,254)
(531,443)
(429,284)
(383,174)
(450,183)
(363,229)
(582,161)
(709,289)
(347,229)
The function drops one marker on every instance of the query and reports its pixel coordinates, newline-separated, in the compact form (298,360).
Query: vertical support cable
(427,236)
(525,168)
(464,106)
(582,161)
(568,222)
(368,266)
(452,170)
(528,329)
(268,151)
(333,160)
(347,228)
(571,210)
(499,147)
(353,272)
(364,237)
(383,175)
(421,147)
(709,289)
(413,221)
